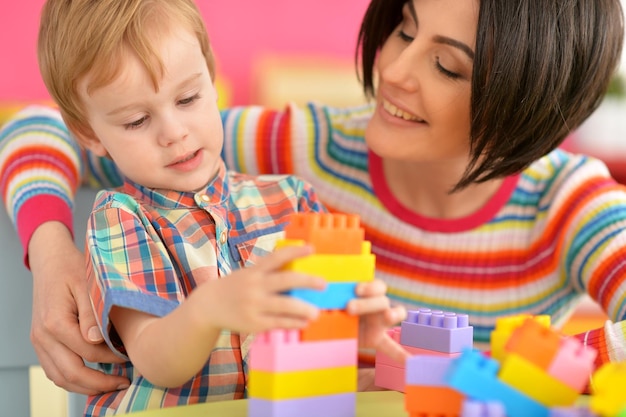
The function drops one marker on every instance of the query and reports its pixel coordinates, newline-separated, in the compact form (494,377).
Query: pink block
(386,360)
(573,364)
(282,350)
(389,377)
(394,333)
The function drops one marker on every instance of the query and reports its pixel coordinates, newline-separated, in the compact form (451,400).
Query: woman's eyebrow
(454,43)
(442,39)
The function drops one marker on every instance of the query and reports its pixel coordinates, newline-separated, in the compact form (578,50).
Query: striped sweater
(550,235)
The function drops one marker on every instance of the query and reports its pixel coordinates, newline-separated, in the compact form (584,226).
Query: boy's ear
(87,138)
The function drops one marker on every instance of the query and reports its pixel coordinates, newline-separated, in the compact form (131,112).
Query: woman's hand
(63,328)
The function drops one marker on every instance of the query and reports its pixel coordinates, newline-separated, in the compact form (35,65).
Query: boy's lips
(187,162)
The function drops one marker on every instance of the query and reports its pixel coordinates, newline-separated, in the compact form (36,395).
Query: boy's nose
(172,131)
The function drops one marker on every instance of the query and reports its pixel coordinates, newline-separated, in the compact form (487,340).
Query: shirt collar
(214,193)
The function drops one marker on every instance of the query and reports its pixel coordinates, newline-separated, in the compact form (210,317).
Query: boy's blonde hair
(81,37)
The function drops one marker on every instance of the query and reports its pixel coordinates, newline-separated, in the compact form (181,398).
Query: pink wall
(240,32)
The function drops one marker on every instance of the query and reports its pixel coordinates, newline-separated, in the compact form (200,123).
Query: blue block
(475,375)
(334,297)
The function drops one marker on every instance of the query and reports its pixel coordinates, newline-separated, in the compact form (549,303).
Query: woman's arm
(40,170)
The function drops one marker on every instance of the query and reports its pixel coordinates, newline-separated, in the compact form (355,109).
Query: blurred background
(270,52)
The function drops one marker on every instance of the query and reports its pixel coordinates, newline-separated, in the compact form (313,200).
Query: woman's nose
(402,70)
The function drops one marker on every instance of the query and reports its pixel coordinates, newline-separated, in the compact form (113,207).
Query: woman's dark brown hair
(541,67)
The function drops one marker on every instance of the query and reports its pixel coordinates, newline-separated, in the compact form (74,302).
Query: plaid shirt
(145,248)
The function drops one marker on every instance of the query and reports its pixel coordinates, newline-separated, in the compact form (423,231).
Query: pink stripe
(31,215)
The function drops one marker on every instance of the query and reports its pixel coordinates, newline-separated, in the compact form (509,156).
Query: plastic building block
(334,268)
(473,408)
(505,327)
(475,376)
(331,324)
(573,363)
(427,370)
(336,295)
(607,388)
(533,381)
(394,333)
(390,377)
(282,350)
(301,384)
(384,359)
(340,405)
(327,233)
(425,400)
(437,330)
(535,343)
(571,412)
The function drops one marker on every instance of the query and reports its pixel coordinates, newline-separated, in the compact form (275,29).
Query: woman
(453,170)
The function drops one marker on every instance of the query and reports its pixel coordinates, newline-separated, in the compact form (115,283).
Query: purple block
(437,330)
(427,370)
(340,405)
(473,408)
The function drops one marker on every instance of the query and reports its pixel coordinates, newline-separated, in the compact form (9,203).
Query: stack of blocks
(424,332)
(313,371)
(433,338)
(535,373)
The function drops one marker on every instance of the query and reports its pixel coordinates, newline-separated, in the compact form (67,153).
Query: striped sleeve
(41,165)
(257,140)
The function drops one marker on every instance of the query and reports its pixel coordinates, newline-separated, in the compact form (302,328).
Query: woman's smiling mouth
(396,112)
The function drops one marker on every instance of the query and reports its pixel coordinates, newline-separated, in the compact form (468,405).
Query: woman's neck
(424,188)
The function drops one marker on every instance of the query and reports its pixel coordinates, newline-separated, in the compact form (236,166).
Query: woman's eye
(446,72)
(136,124)
(402,35)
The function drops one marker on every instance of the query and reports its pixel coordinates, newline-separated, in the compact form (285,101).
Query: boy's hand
(251,300)
(376,318)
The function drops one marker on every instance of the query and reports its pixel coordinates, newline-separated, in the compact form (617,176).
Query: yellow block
(533,381)
(607,389)
(334,268)
(300,384)
(505,327)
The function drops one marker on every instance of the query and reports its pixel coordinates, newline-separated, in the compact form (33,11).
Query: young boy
(167,251)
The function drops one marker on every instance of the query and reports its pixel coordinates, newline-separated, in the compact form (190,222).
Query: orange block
(535,343)
(330,325)
(327,233)
(420,400)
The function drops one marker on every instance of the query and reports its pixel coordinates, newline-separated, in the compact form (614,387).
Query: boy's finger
(287,280)
(393,349)
(371,288)
(286,306)
(369,305)
(276,260)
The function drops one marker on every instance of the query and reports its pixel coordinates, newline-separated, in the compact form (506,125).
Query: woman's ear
(88,139)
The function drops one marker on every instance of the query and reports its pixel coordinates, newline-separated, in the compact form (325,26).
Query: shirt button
(223,237)
(205,198)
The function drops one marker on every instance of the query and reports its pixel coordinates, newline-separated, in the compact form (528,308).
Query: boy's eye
(136,124)
(189,100)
